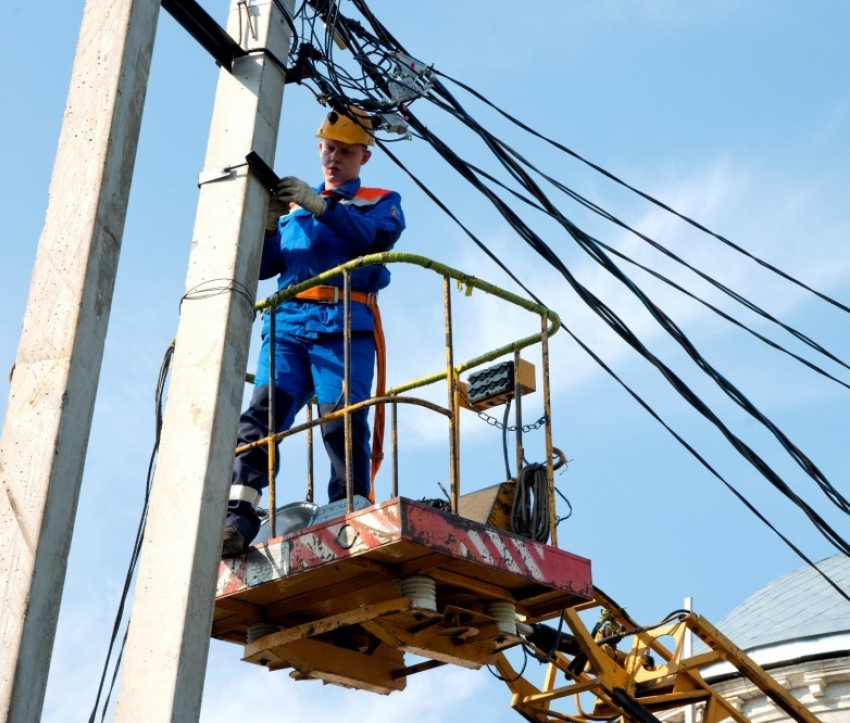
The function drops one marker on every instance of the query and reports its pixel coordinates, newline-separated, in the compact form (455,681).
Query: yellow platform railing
(549,325)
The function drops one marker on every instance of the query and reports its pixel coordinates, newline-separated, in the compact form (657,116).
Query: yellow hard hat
(339,127)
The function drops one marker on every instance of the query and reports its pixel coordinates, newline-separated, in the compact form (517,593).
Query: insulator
(422,592)
(505,614)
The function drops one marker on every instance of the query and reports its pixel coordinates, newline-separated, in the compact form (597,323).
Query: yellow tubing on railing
(396,257)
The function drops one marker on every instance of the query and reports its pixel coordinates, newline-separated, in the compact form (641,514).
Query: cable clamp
(414,78)
(392,123)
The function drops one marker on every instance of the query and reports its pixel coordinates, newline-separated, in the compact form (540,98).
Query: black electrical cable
(596,252)
(696,455)
(659,247)
(556,640)
(725,385)
(552,640)
(646,196)
(159,398)
(375,62)
(207,289)
(681,289)
(727,317)
(385,36)
(530,511)
(115,670)
(461,114)
(499,147)
(469,233)
(290,21)
(833,494)
(627,335)
(518,676)
(836,498)
(588,244)
(560,519)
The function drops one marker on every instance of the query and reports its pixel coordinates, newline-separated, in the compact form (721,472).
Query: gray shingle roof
(800,604)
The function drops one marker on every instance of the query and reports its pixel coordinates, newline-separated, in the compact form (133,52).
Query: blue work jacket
(356,222)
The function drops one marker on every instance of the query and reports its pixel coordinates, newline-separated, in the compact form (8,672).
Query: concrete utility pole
(53,387)
(168,642)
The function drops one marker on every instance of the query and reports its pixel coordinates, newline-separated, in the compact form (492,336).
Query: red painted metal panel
(402,520)
(468,540)
(308,549)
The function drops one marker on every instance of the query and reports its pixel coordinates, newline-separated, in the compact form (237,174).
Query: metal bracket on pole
(263,171)
(208,175)
(201,26)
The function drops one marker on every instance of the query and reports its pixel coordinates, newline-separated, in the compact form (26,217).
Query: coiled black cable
(530,511)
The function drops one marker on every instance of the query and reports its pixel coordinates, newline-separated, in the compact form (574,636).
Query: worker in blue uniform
(310,230)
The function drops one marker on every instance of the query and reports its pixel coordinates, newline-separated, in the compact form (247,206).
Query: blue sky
(736,113)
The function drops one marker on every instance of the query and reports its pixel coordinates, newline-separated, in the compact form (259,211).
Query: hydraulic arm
(652,677)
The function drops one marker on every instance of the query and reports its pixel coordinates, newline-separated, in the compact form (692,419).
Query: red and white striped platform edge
(401,530)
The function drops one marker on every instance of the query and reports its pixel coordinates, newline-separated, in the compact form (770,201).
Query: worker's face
(341,161)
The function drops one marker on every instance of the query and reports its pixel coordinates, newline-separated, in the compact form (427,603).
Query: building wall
(823,686)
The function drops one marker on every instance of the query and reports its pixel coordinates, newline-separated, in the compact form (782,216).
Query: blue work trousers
(304,368)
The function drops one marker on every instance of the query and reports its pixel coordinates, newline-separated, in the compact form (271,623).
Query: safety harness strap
(332,295)
(380,391)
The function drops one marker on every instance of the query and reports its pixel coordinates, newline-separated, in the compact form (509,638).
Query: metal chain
(493,422)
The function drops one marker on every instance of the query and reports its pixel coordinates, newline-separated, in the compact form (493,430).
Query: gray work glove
(294,190)
(277,208)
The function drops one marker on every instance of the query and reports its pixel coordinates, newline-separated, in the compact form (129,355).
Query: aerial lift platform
(353,595)
(343,598)
(348,591)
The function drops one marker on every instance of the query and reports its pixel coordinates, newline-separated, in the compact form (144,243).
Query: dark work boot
(250,469)
(233,543)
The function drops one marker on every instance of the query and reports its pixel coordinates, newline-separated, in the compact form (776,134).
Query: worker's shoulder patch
(374,193)
(366,196)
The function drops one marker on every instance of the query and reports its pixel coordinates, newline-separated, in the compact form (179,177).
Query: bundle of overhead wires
(375,75)
(349,62)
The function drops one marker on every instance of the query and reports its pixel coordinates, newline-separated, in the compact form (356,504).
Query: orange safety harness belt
(332,294)
(380,391)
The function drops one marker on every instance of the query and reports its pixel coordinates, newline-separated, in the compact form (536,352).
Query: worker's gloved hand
(294,190)
(277,208)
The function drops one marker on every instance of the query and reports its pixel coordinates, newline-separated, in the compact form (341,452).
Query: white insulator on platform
(422,592)
(260,630)
(505,614)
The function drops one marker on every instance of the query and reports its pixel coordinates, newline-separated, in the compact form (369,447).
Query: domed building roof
(795,616)
(793,607)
